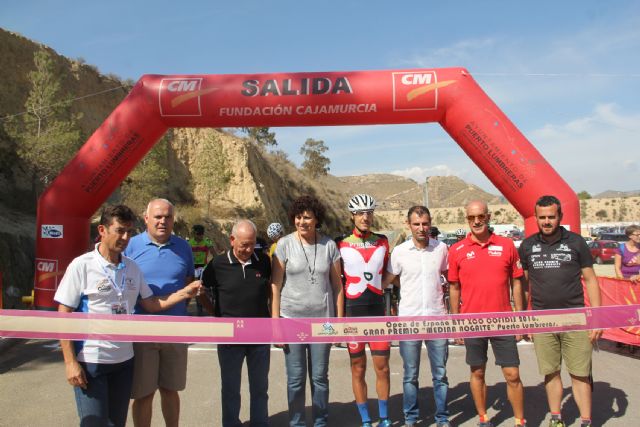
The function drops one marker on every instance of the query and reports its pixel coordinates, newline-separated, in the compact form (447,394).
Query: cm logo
(416,90)
(183,85)
(416,79)
(46,266)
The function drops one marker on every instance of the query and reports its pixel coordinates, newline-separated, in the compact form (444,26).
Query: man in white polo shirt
(416,266)
(104,281)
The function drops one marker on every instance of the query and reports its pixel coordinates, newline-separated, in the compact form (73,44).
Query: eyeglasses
(363,213)
(479,218)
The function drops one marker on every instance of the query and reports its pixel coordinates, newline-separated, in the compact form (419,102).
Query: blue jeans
(231,357)
(438,352)
(311,359)
(105,401)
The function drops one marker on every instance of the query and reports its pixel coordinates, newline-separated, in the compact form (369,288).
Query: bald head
(478,217)
(477,205)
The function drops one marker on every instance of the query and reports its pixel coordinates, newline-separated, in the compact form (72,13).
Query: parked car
(616,237)
(449,241)
(603,250)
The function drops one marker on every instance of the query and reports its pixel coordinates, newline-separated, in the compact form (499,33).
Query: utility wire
(63,102)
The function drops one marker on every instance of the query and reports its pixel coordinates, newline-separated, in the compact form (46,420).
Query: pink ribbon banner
(83,326)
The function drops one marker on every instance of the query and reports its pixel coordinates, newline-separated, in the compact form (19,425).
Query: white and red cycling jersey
(364,261)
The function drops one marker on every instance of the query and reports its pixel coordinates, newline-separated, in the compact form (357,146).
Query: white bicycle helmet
(460,232)
(275,230)
(361,202)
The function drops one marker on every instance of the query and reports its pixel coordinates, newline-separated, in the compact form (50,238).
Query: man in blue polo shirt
(167,264)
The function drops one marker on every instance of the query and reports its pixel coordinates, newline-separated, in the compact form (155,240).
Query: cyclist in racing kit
(201,247)
(364,260)
(275,231)
(460,234)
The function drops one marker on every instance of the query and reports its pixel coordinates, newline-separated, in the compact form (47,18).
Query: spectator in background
(275,231)
(201,248)
(434,232)
(627,260)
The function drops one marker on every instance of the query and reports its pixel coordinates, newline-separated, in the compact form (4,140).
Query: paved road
(34,392)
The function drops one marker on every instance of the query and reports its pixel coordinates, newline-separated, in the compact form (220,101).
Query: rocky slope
(259,185)
(396,192)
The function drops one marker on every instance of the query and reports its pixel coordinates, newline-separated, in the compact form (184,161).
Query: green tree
(261,136)
(149,179)
(315,162)
(47,135)
(601,214)
(583,209)
(583,195)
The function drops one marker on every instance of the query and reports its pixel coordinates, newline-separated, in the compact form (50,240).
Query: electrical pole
(426,192)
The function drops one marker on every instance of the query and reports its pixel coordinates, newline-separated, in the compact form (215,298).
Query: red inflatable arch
(449,96)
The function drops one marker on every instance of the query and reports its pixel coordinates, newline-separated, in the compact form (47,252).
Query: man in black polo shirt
(554,259)
(240,284)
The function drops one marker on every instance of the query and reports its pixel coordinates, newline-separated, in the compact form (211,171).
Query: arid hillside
(214,176)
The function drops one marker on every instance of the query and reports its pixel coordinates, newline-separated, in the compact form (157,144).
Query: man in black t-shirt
(241,287)
(554,260)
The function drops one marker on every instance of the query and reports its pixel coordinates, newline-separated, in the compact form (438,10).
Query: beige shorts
(158,365)
(572,347)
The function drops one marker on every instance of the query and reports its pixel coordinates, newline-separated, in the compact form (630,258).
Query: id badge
(120,308)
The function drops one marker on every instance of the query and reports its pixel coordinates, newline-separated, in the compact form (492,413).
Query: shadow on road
(620,349)
(608,403)
(30,352)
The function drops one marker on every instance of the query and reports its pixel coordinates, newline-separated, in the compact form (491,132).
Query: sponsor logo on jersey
(181,97)
(416,90)
(561,257)
(495,250)
(104,287)
(471,255)
(563,248)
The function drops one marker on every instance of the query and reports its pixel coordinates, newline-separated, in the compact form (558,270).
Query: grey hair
(234,230)
(173,208)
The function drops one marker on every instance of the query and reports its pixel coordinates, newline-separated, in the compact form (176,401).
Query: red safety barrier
(620,292)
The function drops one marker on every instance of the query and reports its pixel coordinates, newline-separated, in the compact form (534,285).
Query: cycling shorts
(377,348)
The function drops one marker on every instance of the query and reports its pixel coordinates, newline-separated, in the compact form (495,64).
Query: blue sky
(565,72)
